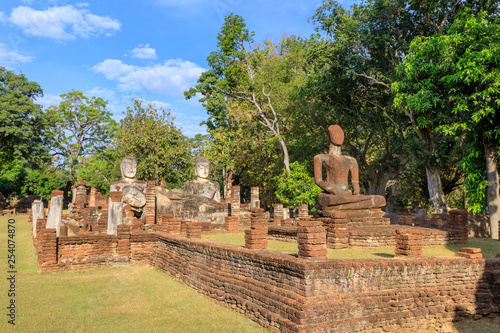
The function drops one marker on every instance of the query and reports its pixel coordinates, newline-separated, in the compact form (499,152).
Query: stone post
(458,219)
(256,236)
(235,202)
(150,207)
(311,236)
(55,211)
(254,198)
(303,212)
(278,213)
(408,242)
(115,213)
(92,199)
(286,213)
(36,213)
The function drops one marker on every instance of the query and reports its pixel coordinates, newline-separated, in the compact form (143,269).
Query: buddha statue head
(128,167)
(202,168)
(336,139)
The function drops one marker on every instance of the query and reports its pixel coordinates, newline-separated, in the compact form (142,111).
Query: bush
(298,187)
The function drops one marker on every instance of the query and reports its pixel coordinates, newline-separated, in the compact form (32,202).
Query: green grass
(489,248)
(125,299)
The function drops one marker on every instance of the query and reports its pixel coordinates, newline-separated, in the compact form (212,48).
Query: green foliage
(21,120)
(12,176)
(298,187)
(81,126)
(475,182)
(162,151)
(43,181)
(101,169)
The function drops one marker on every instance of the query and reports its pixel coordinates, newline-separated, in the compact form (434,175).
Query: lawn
(141,298)
(125,299)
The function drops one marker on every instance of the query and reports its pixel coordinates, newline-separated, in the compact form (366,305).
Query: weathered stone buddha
(133,194)
(202,186)
(336,195)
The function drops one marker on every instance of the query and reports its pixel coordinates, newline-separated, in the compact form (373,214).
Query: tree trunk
(493,195)
(286,157)
(436,194)
(378,182)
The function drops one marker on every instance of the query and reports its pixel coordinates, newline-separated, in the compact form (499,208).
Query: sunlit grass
(125,299)
(489,248)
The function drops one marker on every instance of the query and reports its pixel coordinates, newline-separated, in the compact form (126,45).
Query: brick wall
(291,294)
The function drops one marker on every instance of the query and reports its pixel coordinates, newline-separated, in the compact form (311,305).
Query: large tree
(163,152)
(21,120)
(453,81)
(80,127)
(368,43)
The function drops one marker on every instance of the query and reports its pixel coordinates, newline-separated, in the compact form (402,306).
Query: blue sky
(117,50)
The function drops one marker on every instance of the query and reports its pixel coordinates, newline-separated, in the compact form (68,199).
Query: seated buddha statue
(336,195)
(202,186)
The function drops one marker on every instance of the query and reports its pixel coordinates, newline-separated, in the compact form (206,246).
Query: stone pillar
(278,213)
(286,213)
(36,213)
(123,235)
(92,197)
(256,236)
(408,242)
(337,234)
(231,224)
(303,212)
(193,229)
(311,236)
(254,198)
(235,202)
(81,194)
(55,211)
(115,213)
(458,219)
(149,209)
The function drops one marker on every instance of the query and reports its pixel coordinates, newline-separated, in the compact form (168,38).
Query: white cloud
(62,23)
(2,17)
(104,93)
(9,58)
(171,78)
(144,52)
(48,100)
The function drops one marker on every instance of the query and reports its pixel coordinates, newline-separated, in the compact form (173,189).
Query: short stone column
(469,253)
(92,197)
(81,194)
(254,197)
(235,202)
(55,211)
(115,213)
(278,213)
(303,212)
(193,229)
(408,242)
(286,213)
(311,236)
(149,209)
(256,236)
(337,233)
(36,213)
(231,224)
(458,219)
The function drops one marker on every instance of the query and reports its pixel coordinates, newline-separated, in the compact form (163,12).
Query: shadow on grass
(384,255)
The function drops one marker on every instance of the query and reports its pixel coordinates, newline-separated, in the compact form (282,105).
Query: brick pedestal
(231,224)
(193,230)
(149,209)
(256,236)
(48,246)
(337,233)
(235,202)
(458,219)
(470,253)
(278,213)
(254,197)
(311,236)
(408,242)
